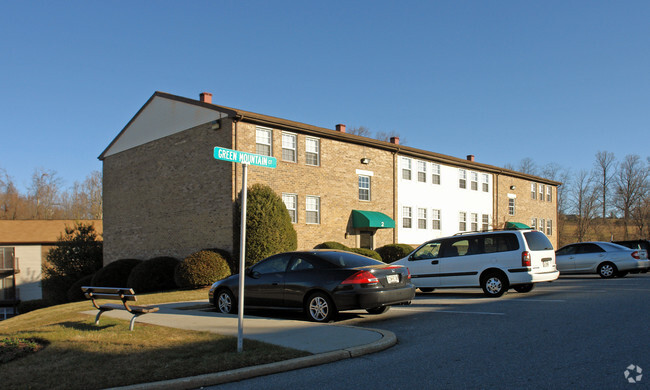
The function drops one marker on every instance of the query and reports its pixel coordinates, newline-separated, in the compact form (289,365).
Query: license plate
(392,278)
(546,263)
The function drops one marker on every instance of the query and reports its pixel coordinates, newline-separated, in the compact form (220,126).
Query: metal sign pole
(242,262)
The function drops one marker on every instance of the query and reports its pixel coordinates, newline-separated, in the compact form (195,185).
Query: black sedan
(320,282)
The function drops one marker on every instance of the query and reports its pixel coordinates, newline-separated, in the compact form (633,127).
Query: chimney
(394,140)
(340,128)
(206,97)
(470,157)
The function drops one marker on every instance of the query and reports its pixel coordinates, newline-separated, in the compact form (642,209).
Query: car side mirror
(253,274)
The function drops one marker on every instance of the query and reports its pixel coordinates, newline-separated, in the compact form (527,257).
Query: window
(462,221)
(406,168)
(549,198)
(549,227)
(462,178)
(422,171)
(541,192)
(422,218)
(533,224)
(364,187)
(511,206)
(435,222)
(289,147)
(474,220)
(7,257)
(435,174)
(430,250)
(312,206)
(312,151)
(275,264)
(533,190)
(485,222)
(485,182)
(290,202)
(406,217)
(474,181)
(542,223)
(263,141)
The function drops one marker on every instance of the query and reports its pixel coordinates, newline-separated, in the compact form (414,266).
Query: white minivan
(494,261)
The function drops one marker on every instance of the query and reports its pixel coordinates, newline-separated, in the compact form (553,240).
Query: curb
(387,340)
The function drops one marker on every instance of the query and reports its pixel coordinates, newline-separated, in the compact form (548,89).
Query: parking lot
(577,332)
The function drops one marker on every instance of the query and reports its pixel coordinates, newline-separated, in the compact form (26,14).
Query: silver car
(604,258)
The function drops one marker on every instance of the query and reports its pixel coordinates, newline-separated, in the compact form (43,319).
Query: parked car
(636,244)
(604,258)
(319,282)
(494,261)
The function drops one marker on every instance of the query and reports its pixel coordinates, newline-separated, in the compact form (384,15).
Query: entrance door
(366,239)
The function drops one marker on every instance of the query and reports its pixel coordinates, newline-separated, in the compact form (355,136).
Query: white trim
(364,173)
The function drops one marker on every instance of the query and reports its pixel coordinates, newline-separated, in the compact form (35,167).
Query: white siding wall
(28,281)
(446,197)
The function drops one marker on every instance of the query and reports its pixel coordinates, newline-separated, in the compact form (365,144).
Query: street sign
(244,157)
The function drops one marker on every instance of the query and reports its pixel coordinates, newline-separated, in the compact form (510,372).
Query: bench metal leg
(132,322)
(97,317)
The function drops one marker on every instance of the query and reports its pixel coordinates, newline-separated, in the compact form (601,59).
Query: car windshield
(347,259)
(537,241)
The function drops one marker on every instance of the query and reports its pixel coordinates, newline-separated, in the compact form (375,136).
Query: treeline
(47,199)
(612,200)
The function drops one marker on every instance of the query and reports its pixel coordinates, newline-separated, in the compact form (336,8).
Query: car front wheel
(607,270)
(225,302)
(494,284)
(319,308)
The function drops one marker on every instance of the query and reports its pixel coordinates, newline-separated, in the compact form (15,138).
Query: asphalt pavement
(326,342)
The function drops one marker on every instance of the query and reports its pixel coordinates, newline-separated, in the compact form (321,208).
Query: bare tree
(9,197)
(44,194)
(585,203)
(630,184)
(554,171)
(360,130)
(84,200)
(605,166)
(527,166)
(386,136)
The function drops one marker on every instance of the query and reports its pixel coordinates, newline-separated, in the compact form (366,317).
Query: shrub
(74,293)
(268,225)
(366,252)
(115,274)
(393,252)
(202,268)
(332,245)
(27,306)
(156,274)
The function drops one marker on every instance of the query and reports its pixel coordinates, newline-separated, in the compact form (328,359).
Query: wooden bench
(125,295)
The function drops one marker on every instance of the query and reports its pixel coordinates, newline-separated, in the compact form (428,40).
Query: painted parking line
(452,311)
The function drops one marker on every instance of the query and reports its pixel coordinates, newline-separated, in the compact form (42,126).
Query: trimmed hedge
(27,306)
(154,275)
(393,252)
(366,252)
(74,293)
(202,268)
(332,245)
(115,274)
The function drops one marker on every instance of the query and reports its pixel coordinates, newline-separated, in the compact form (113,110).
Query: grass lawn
(80,355)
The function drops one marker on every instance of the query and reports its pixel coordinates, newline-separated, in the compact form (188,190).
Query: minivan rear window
(537,241)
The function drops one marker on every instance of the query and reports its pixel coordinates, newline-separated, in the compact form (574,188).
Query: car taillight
(409,273)
(361,277)
(635,254)
(525,259)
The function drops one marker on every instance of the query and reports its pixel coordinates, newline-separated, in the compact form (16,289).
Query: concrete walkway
(327,342)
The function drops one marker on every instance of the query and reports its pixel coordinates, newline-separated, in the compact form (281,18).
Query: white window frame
(263,140)
(422,218)
(462,221)
(512,206)
(407,216)
(542,225)
(435,173)
(473,181)
(474,222)
(485,182)
(462,178)
(310,152)
(289,147)
(485,222)
(422,171)
(313,208)
(549,193)
(533,224)
(406,169)
(540,187)
(364,191)
(436,221)
(293,211)
(533,191)
(549,227)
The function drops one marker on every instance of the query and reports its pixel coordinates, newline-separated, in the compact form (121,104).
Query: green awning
(371,219)
(516,226)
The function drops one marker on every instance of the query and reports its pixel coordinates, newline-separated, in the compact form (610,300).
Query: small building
(24,245)
(165,194)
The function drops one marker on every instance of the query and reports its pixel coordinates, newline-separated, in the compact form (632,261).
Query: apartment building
(165,194)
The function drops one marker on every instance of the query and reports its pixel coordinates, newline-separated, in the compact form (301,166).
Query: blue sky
(554,81)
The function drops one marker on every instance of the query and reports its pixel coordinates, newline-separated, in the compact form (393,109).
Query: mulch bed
(14,348)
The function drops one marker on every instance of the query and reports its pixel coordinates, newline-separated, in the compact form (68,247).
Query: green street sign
(244,157)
